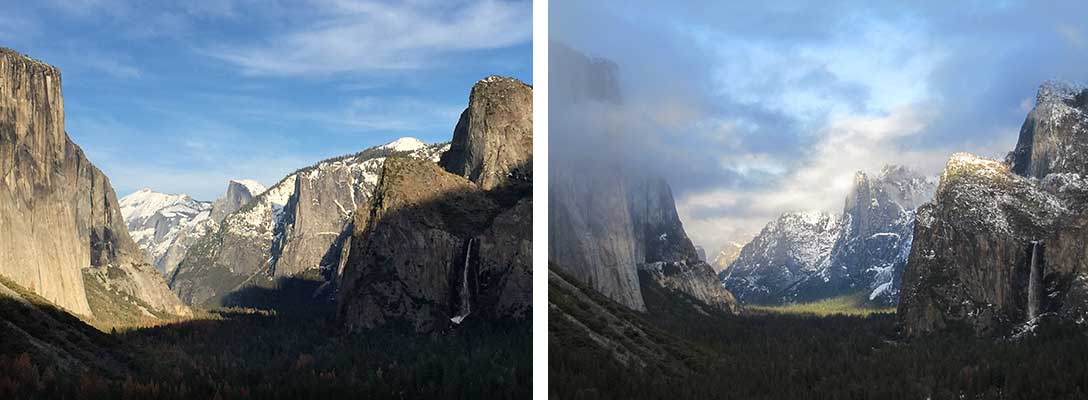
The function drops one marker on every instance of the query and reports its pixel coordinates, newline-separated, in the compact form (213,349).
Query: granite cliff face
(692,278)
(493,140)
(238,194)
(591,235)
(604,229)
(296,226)
(810,256)
(605,222)
(1002,246)
(438,247)
(1051,139)
(58,213)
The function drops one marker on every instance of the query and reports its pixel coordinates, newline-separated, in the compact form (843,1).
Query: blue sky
(751,109)
(183,97)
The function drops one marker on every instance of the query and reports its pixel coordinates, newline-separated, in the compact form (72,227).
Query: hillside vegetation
(780,355)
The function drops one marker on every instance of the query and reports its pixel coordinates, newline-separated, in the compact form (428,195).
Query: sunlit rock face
(58,213)
(493,141)
(440,245)
(974,245)
(296,226)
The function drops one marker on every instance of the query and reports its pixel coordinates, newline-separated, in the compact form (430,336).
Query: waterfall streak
(1034,282)
(466,303)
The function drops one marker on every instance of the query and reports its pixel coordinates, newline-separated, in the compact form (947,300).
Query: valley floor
(247,354)
(775,355)
(850,304)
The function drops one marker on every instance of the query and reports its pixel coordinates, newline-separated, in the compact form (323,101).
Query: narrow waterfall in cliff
(466,290)
(1035,279)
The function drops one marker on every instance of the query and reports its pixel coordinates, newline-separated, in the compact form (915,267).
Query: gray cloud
(753,110)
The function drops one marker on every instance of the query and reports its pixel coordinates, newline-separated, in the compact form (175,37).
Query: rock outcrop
(811,256)
(440,247)
(976,243)
(1051,139)
(692,278)
(58,213)
(493,140)
(297,225)
(239,193)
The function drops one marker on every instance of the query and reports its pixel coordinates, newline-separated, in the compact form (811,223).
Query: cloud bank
(751,111)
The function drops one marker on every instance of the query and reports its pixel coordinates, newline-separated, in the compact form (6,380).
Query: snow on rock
(293,224)
(254,187)
(805,256)
(145,203)
(978,237)
(787,250)
(157,221)
(405,144)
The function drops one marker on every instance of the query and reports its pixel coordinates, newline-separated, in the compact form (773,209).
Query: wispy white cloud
(362,36)
(396,114)
(112,66)
(1073,35)
(362,114)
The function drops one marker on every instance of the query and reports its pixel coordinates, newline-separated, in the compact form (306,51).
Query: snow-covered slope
(792,248)
(405,144)
(799,258)
(165,225)
(296,225)
(156,220)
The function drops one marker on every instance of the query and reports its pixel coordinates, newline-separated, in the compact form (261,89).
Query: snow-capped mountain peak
(405,144)
(144,203)
(156,221)
(804,256)
(254,187)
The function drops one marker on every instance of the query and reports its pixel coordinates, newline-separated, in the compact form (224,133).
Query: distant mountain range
(806,256)
(166,225)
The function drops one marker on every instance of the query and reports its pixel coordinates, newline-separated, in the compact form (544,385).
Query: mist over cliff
(749,112)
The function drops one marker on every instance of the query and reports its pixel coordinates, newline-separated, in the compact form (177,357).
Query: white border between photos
(540,200)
